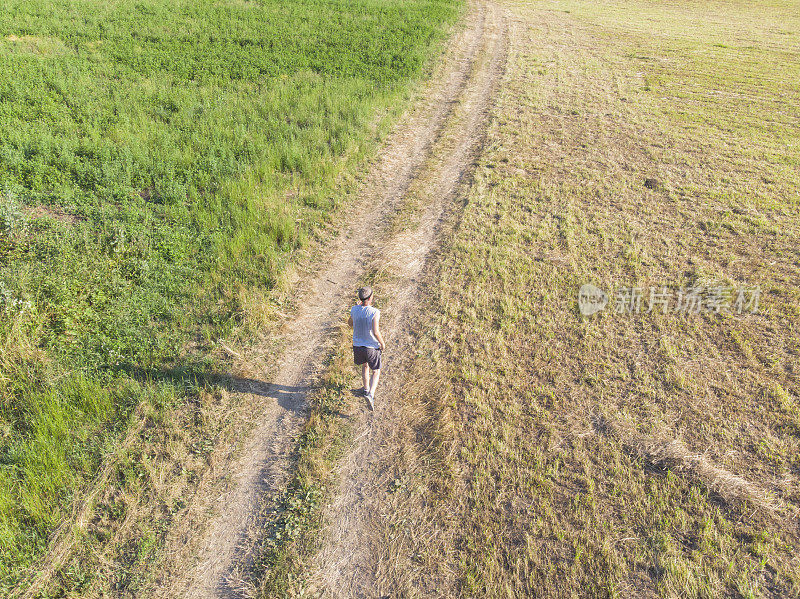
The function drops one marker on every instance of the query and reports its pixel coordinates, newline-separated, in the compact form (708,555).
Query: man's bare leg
(376,374)
(365,376)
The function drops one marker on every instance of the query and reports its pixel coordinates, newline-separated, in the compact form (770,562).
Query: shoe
(371,401)
(366,391)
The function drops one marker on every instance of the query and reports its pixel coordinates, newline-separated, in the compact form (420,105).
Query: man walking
(367,342)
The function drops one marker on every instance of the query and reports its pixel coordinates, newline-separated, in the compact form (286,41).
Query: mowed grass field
(621,454)
(162,164)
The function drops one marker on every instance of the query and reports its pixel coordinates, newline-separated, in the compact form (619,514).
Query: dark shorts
(367,355)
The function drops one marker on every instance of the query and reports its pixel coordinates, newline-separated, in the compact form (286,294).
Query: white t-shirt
(363,317)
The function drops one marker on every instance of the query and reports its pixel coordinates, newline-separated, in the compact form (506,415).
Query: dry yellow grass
(549,454)
(36,45)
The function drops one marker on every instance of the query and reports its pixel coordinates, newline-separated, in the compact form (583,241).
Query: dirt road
(348,564)
(428,155)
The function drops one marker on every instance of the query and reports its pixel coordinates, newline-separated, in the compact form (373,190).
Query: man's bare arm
(377,331)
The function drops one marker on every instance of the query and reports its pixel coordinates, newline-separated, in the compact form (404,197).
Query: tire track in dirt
(207,564)
(349,560)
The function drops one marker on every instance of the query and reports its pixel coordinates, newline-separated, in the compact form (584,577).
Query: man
(367,342)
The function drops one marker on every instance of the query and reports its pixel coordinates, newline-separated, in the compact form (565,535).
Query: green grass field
(161,162)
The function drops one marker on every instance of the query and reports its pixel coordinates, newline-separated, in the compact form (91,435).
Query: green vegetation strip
(291,532)
(160,161)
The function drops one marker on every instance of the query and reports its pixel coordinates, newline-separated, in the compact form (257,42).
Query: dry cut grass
(550,454)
